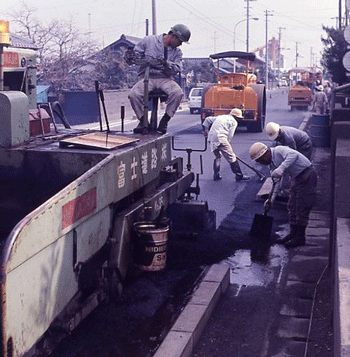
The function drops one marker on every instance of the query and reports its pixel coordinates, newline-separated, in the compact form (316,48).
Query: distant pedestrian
(282,159)
(320,101)
(220,131)
(292,137)
(165,58)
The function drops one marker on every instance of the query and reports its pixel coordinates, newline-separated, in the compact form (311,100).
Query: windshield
(197,92)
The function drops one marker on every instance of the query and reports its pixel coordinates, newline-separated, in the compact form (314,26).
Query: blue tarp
(41,93)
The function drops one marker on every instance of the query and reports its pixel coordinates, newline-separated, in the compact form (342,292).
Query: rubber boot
(216,167)
(163,124)
(289,236)
(237,171)
(298,239)
(140,127)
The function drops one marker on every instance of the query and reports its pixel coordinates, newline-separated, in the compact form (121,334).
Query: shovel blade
(261,227)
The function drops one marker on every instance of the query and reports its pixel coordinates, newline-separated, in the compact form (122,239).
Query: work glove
(277,173)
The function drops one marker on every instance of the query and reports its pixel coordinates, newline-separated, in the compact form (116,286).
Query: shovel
(262,224)
(260,174)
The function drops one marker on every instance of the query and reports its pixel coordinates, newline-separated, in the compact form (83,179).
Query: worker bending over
(220,131)
(165,60)
(288,136)
(282,159)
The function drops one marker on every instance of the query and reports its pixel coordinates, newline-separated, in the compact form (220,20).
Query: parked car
(195,100)
(283,83)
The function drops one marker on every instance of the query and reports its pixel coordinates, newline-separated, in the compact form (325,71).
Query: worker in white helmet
(281,159)
(288,136)
(220,131)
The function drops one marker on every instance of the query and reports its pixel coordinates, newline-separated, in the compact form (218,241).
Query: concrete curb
(185,333)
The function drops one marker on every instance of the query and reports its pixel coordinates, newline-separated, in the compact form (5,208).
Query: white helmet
(272,130)
(257,150)
(237,113)
(320,88)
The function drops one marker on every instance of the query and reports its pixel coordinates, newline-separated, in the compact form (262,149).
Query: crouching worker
(220,131)
(282,159)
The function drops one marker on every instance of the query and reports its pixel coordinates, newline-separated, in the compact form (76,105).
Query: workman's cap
(182,32)
(237,113)
(257,150)
(272,130)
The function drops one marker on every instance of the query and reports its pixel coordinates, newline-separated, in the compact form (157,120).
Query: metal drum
(150,245)
(320,130)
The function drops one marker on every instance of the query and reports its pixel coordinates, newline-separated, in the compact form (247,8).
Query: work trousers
(167,85)
(302,197)
(225,149)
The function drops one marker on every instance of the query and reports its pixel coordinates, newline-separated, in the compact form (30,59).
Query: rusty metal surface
(101,140)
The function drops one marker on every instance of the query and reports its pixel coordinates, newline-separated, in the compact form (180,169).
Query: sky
(216,26)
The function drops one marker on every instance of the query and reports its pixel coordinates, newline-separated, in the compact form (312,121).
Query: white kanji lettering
(133,168)
(121,174)
(164,153)
(144,163)
(154,159)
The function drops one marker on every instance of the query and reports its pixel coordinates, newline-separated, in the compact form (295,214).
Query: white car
(283,83)
(195,100)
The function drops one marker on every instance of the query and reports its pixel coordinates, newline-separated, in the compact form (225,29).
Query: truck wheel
(258,126)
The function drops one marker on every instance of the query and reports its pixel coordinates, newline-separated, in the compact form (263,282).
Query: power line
(204,18)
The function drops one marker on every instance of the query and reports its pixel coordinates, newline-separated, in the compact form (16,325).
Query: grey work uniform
(161,76)
(295,139)
(303,184)
(320,102)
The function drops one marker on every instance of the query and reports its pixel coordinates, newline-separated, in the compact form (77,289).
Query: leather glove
(277,173)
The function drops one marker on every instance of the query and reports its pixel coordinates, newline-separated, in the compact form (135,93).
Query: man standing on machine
(165,59)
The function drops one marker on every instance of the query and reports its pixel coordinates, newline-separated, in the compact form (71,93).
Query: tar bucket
(320,130)
(150,245)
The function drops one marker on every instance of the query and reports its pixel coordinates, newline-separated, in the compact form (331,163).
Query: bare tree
(61,48)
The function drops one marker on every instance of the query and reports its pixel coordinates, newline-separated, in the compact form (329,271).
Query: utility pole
(340,11)
(311,57)
(267,14)
(154,20)
(296,54)
(147,27)
(279,51)
(247,40)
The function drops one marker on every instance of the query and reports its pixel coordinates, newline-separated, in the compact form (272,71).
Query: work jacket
(289,160)
(222,129)
(152,48)
(294,138)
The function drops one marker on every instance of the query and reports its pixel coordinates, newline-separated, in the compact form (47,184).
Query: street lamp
(234,29)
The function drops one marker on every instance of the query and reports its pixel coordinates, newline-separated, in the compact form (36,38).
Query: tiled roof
(21,42)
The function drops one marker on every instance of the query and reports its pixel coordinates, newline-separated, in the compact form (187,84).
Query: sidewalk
(304,328)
